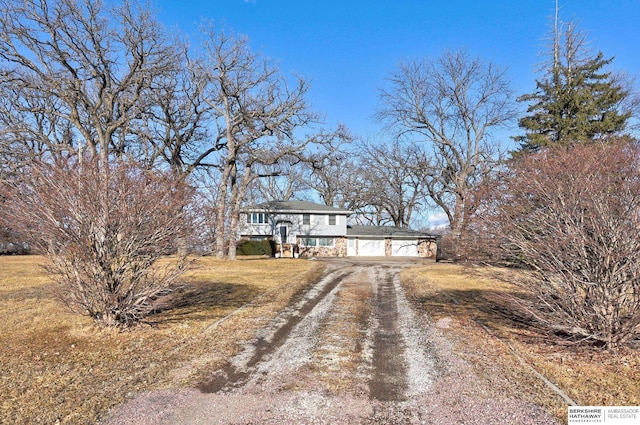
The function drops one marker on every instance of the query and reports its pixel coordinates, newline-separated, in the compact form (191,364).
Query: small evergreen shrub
(263,247)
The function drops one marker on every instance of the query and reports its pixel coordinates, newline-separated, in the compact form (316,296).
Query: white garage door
(404,248)
(371,247)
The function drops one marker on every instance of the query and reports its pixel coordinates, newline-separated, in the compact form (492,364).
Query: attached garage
(382,241)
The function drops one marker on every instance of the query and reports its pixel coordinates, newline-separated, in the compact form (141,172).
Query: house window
(306,219)
(327,242)
(257,218)
(332,219)
(309,242)
(321,242)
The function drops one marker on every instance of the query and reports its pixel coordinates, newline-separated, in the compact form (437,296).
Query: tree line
(116,133)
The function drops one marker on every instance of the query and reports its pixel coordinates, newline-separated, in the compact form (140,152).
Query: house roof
(390,231)
(295,207)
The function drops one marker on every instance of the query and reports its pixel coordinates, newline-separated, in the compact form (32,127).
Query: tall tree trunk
(238,191)
(220,219)
(233,230)
(458,223)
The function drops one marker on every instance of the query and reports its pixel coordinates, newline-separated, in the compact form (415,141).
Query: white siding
(319,225)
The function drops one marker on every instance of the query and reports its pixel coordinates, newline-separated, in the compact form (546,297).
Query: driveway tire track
(238,370)
(389,377)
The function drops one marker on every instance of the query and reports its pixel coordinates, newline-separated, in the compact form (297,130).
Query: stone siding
(427,248)
(388,248)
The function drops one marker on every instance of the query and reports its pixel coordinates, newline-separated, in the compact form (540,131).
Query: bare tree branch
(77,75)
(452,103)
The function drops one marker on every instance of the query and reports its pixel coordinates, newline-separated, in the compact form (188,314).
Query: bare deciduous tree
(75,75)
(453,104)
(77,79)
(256,114)
(332,169)
(572,215)
(104,239)
(174,127)
(337,178)
(285,182)
(396,177)
(316,168)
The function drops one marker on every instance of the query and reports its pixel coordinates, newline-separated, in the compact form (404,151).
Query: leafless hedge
(572,216)
(104,230)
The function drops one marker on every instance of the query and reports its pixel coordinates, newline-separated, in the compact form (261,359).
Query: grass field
(470,306)
(58,367)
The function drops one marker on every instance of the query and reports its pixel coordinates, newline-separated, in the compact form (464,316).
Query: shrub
(263,247)
(103,230)
(572,216)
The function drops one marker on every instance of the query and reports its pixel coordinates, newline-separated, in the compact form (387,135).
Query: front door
(284,235)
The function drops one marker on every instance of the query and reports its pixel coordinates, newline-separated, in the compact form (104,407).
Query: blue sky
(347,48)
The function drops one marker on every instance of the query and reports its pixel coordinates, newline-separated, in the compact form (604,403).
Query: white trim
(257,218)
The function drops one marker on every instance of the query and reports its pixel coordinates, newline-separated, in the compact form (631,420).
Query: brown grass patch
(59,367)
(472,307)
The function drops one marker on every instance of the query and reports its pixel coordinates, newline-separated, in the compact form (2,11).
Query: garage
(404,247)
(371,247)
(382,241)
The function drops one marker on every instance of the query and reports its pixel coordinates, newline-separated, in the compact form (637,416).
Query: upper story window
(306,219)
(258,218)
(332,219)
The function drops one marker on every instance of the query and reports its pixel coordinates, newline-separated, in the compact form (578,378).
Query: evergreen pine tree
(576,100)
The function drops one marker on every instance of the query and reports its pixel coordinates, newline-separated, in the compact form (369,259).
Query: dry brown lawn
(471,306)
(58,367)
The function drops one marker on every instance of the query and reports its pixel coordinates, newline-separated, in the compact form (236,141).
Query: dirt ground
(351,350)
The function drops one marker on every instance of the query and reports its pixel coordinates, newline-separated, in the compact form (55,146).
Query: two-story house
(315,230)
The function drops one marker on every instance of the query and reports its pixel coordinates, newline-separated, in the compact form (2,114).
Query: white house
(318,230)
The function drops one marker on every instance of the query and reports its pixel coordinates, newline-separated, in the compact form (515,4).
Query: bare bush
(572,216)
(104,231)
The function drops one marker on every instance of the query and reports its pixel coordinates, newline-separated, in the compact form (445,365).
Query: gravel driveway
(350,351)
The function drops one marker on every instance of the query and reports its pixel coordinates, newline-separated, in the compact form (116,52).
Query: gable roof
(390,231)
(295,207)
